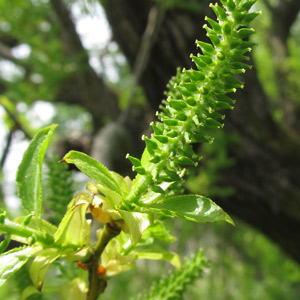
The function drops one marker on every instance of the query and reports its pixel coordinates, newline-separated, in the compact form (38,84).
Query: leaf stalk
(26,232)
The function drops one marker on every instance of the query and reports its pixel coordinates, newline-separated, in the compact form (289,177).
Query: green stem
(97,284)
(26,232)
(138,189)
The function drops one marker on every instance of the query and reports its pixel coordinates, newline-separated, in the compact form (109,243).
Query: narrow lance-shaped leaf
(41,264)
(29,175)
(74,229)
(28,292)
(76,290)
(93,169)
(12,261)
(137,223)
(168,256)
(158,231)
(195,208)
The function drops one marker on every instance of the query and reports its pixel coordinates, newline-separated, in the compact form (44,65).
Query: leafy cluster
(129,208)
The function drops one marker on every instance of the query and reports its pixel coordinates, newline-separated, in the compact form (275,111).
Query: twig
(26,232)
(6,53)
(17,124)
(124,122)
(104,51)
(6,149)
(155,19)
(98,284)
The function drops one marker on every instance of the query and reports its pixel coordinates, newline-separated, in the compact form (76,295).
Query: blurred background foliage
(49,73)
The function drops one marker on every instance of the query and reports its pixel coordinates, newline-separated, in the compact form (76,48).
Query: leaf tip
(229,220)
(40,286)
(53,126)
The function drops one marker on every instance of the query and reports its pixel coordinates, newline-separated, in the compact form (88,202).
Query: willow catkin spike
(195,96)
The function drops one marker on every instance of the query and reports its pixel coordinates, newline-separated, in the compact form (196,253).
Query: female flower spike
(194,99)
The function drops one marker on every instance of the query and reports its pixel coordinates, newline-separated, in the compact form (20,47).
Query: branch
(116,135)
(98,284)
(6,53)
(25,232)
(6,149)
(155,19)
(17,124)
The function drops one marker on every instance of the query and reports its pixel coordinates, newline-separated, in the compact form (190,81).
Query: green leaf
(168,256)
(41,264)
(111,258)
(93,169)
(122,183)
(158,231)
(195,208)
(29,175)
(76,290)
(74,229)
(110,202)
(28,291)
(137,223)
(114,199)
(12,261)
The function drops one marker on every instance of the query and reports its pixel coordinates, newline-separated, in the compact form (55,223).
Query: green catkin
(195,97)
(59,189)
(174,286)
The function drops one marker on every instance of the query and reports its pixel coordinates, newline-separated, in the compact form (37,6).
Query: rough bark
(266,174)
